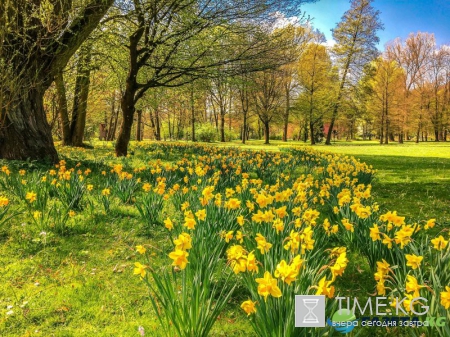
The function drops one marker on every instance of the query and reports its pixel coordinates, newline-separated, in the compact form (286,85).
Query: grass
(82,285)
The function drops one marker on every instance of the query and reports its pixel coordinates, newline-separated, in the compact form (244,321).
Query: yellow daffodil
(268,286)
(249,307)
(262,244)
(325,288)
(413,261)
(240,220)
(252,263)
(233,203)
(278,225)
(31,197)
(179,258)
(201,214)
(439,243)
(183,242)
(4,201)
(189,223)
(228,236)
(139,269)
(140,249)
(430,224)
(412,285)
(375,233)
(286,272)
(445,297)
(348,226)
(168,224)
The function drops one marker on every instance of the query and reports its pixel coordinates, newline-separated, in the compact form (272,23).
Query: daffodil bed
(223,224)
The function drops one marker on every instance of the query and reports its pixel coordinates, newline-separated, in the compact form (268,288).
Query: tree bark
(139,126)
(266,132)
(81,96)
(128,100)
(112,120)
(337,103)
(158,125)
(222,124)
(244,128)
(62,107)
(436,135)
(311,128)
(127,105)
(24,130)
(192,113)
(286,114)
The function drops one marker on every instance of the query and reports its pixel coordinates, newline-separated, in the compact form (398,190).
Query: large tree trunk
(24,130)
(128,100)
(62,107)
(338,102)
(127,105)
(330,130)
(81,96)
(154,120)
(436,135)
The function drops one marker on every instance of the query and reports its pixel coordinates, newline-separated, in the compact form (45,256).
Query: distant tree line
(209,70)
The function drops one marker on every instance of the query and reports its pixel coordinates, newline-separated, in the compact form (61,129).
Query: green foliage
(206,133)
(70,191)
(150,207)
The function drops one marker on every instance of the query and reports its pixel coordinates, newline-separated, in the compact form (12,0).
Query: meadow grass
(82,284)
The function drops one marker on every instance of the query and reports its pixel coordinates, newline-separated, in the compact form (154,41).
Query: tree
(268,98)
(221,92)
(171,42)
(298,37)
(315,76)
(79,107)
(356,41)
(387,90)
(37,40)
(439,60)
(413,56)
(243,86)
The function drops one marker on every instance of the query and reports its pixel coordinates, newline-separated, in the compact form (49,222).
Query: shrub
(206,133)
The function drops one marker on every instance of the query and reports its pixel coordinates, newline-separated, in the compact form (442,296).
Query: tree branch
(70,40)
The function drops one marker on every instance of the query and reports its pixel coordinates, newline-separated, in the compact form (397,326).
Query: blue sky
(400,17)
